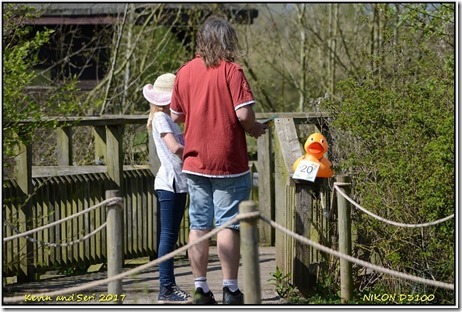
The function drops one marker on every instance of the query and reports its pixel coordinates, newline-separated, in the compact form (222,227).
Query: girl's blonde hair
(154,109)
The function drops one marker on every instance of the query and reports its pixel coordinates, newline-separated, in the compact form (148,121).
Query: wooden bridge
(37,196)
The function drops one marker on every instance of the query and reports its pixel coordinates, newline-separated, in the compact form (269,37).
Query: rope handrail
(141,267)
(386,220)
(355,260)
(107,202)
(216,230)
(60,245)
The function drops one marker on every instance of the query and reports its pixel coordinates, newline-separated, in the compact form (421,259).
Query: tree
(143,47)
(146,44)
(295,53)
(20,102)
(145,41)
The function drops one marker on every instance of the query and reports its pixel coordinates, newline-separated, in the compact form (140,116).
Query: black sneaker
(173,295)
(230,297)
(203,298)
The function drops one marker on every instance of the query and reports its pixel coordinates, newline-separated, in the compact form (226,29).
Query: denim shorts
(216,200)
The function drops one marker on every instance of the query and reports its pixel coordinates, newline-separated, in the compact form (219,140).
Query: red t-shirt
(215,143)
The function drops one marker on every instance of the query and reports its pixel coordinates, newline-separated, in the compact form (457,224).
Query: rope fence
(355,260)
(239,217)
(108,202)
(139,268)
(336,187)
(59,245)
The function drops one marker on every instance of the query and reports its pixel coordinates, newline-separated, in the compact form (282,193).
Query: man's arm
(178,118)
(246,116)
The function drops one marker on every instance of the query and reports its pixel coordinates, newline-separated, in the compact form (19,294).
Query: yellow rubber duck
(315,147)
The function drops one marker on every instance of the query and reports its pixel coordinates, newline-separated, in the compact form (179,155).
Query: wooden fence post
(99,133)
(344,239)
(115,155)
(266,194)
(249,252)
(23,176)
(114,244)
(64,146)
(286,150)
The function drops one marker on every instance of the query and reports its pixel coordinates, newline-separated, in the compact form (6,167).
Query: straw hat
(161,92)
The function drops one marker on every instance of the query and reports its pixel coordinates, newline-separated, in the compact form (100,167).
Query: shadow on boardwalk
(142,288)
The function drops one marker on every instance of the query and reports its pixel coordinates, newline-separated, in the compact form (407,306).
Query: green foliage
(284,288)
(73,270)
(18,58)
(144,52)
(19,103)
(327,291)
(167,56)
(397,124)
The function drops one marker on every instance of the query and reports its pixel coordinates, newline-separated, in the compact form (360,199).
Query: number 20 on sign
(306,170)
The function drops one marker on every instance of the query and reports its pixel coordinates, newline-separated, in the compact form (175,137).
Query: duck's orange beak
(316,148)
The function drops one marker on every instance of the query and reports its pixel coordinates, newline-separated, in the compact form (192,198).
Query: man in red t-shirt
(213,98)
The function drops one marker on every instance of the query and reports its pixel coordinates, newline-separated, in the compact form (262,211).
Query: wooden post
(249,252)
(64,146)
(23,176)
(114,244)
(303,218)
(286,150)
(114,141)
(344,239)
(266,194)
(99,133)
(308,262)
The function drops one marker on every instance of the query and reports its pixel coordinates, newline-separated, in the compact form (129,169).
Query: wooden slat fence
(57,197)
(59,191)
(37,196)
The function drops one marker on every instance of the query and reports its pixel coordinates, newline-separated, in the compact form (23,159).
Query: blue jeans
(216,200)
(171,210)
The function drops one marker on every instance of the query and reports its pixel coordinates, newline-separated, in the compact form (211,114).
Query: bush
(395,128)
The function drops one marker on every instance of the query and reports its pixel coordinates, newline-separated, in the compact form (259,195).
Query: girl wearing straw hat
(170,183)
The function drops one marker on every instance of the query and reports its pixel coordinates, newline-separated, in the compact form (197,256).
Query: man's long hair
(216,41)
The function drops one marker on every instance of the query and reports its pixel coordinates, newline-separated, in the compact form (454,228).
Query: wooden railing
(41,195)
(301,206)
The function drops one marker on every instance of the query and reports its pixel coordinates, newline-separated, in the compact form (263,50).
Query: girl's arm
(172,144)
